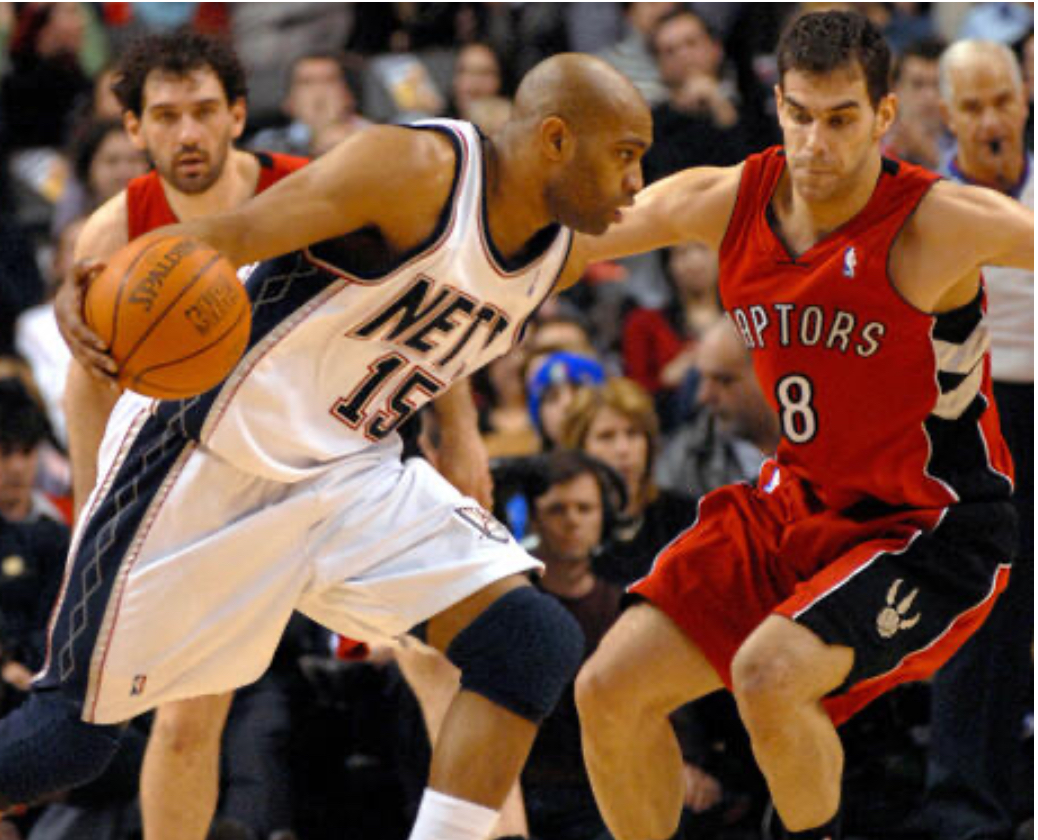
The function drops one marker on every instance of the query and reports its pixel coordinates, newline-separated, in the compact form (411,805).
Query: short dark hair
(925,49)
(821,42)
(178,53)
(23,423)
(565,465)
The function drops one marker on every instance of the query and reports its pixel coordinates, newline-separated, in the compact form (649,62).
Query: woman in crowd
(617,424)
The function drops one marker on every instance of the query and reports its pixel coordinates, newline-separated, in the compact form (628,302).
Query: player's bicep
(992,228)
(1013,236)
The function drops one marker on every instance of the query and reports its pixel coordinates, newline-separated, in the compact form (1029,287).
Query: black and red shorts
(903,587)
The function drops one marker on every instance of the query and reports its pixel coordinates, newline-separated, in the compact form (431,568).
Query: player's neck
(514,212)
(806,222)
(236,184)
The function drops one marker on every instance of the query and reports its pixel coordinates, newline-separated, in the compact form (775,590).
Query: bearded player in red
(878,538)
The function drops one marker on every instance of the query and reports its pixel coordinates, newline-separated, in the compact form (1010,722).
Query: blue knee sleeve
(520,652)
(46,748)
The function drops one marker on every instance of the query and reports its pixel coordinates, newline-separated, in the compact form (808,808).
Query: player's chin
(594,227)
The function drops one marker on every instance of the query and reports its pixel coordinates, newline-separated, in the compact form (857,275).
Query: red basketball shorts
(904,588)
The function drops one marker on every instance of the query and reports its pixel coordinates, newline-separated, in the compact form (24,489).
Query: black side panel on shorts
(950,570)
(98,560)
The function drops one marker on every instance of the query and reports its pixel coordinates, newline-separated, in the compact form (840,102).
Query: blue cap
(560,369)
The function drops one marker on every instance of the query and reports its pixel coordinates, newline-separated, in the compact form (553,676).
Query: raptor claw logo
(892,617)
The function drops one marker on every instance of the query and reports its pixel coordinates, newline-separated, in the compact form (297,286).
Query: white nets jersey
(341,353)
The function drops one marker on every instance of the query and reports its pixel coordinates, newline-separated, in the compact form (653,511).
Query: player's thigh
(400,547)
(647,660)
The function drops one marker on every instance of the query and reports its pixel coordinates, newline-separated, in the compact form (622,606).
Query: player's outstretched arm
(693,205)
(955,232)
(997,229)
(384,176)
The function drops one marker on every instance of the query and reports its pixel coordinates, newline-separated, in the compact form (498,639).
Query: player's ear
(557,141)
(886,113)
(239,113)
(132,124)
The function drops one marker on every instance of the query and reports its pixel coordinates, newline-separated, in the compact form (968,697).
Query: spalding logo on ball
(173,315)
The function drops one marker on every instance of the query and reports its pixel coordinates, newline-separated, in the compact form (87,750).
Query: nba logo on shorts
(138,685)
(850,262)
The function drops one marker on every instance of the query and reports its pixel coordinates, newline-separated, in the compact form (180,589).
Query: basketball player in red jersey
(184,101)
(877,540)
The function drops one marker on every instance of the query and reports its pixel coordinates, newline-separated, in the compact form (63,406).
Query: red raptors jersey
(877,400)
(147,207)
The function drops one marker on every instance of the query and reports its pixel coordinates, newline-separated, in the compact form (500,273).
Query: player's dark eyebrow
(156,106)
(841,106)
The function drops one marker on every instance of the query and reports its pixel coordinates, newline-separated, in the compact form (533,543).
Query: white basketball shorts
(185,570)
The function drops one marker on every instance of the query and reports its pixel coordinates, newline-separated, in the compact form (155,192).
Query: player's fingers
(84,271)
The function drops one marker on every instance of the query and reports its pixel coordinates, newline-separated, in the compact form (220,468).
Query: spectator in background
(552,383)
(23,429)
(633,56)
(46,82)
(726,440)
(699,123)
(105,105)
(38,341)
(918,135)
(33,536)
(659,345)
(1026,51)
(320,105)
(478,75)
(104,160)
(505,421)
(981,697)
(617,424)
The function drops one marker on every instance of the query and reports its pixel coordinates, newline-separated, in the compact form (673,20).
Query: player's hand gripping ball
(173,315)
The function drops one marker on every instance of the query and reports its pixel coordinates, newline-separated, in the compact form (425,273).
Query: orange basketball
(173,314)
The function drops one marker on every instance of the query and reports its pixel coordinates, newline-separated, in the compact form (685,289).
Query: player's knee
(600,693)
(763,680)
(520,652)
(46,748)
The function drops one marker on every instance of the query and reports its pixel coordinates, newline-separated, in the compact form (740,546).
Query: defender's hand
(87,348)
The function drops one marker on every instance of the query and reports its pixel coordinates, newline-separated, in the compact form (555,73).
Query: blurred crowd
(631,397)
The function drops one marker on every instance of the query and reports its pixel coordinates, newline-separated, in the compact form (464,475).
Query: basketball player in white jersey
(402,261)
(185,104)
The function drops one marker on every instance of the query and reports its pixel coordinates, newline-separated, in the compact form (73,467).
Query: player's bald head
(584,91)
(578,130)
